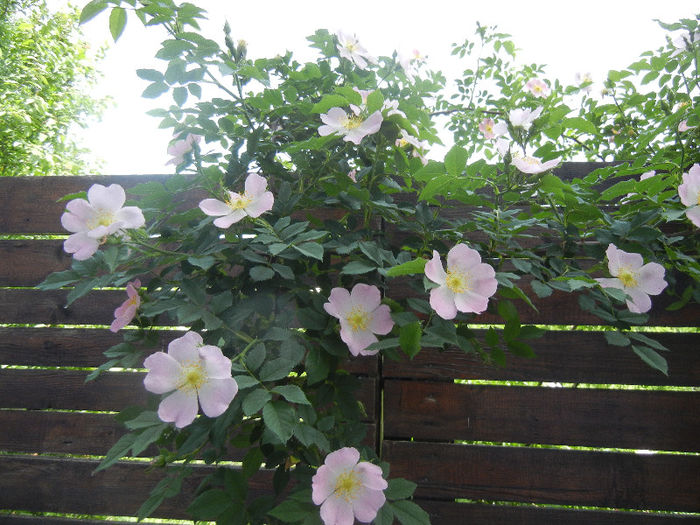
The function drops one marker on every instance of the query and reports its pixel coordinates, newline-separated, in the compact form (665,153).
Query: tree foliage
(45,75)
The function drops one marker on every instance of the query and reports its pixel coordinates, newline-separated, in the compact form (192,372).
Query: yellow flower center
(240,203)
(351,46)
(352,122)
(402,142)
(358,319)
(489,127)
(699,198)
(628,278)
(347,484)
(103,218)
(192,377)
(457,281)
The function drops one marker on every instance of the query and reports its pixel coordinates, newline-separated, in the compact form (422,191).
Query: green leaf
(210,504)
(416,266)
(409,513)
(180,95)
(150,74)
(118,451)
(580,124)
(292,511)
(292,393)
(117,22)
(155,90)
(261,273)
(280,418)
(399,488)
(456,160)
(409,338)
(92,9)
(329,101)
(652,358)
(375,101)
(310,249)
(276,369)
(617,338)
(255,400)
(357,267)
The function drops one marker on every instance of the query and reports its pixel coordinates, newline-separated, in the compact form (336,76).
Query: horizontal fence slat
(559,308)
(651,420)
(562,356)
(81,433)
(27,262)
(42,484)
(450,513)
(84,348)
(22,197)
(54,520)
(561,477)
(112,391)
(97,307)
(31,204)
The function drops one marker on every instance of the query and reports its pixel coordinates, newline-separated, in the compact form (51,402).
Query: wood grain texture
(27,262)
(53,520)
(451,513)
(84,348)
(446,411)
(69,485)
(112,391)
(563,356)
(561,477)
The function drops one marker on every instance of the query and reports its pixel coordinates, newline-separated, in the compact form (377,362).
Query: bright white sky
(568,36)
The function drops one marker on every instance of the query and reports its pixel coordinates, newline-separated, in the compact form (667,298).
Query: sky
(568,36)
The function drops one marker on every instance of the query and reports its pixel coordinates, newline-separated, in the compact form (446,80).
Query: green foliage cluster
(45,76)
(257,289)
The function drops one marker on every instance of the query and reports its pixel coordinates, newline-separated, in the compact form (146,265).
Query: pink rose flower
(533,165)
(523,118)
(683,126)
(347,488)
(101,215)
(361,316)
(637,279)
(537,87)
(349,47)
(466,285)
(127,311)
(689,192)
(181,147)
(196,374)
(351,127)
(253,202)
(490,129)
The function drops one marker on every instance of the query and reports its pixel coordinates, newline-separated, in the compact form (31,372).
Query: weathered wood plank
(563,356)
(97,307)
(561,477)
(650,420)
(451,513)
(53,520)
(559,308)
(68,485)
(84,348)
(27,262)
(82,434)
(112,391)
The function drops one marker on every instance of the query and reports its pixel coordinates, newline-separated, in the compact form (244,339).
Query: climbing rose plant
(304,229)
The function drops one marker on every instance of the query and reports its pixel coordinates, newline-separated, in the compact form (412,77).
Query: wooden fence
(482,451)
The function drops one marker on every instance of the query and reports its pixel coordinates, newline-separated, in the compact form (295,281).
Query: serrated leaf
(617,338)
(399,488)
(456,160)
(280,418)
(92,9)
(210,504)
(413,267)
(409,513)
(357,268)
(255,400)
(652,358)
(292,393)
(310,249)
(409,338)
(261,273)
(151,75)
(117,22)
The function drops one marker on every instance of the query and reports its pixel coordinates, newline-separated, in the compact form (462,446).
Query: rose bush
(303,191)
